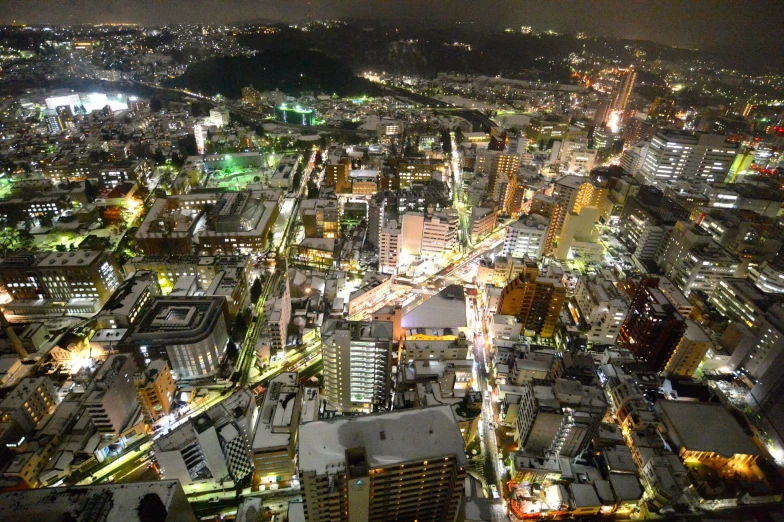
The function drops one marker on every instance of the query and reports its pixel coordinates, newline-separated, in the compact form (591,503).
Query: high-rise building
(389,247)
(526,237)
(535,298)
(674,155)
(560,418)
(126,303)
(493,163)
(399,466)
(653,328)
(601,307)
(111,397)
(431,235)
(623,89)
(574,194)
(357,358)
(689,352)
(155,389)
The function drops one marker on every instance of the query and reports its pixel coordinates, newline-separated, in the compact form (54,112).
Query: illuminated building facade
(357,358)
(653,328)
(536,299)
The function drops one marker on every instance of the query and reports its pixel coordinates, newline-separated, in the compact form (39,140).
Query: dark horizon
(686,24)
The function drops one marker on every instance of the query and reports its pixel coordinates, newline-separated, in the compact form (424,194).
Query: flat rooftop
(700,426)
(115,502)
(388,438)
(447,309)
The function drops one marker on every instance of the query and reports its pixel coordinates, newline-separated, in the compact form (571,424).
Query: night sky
(686,23)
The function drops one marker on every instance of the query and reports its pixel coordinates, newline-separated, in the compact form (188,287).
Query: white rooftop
(388,438)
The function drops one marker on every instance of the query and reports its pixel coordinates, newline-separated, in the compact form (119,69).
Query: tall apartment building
(574,194)
(336,171)
(653,328)
(155,389)
(412,171)
(393,467)
(321,217)
(277,315)
(526,237)
(29,402)
(429,236)
(506,268)
(85,274)
(601,307)
(689,352)
(495,164)
(357,358)
(674,155)
(560,418)
(535,298)
(389,247)
(111,399)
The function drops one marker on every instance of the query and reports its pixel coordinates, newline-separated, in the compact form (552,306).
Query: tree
(90,192)
(155,104)
(255,291)
(158,157)
(152,509)
(240,326)
(446,142)
(12,239)
(188,145)
(231,350)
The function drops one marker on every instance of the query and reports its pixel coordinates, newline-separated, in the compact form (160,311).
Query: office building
(653,328)
(357,357)
(111,397)
(188,332)
(702,268)
(506,268)
(559,418)
(677,155)
(413,171)
(374,290)
(155,389)
(86,274)
(127,302)
(128,502)
(535,297)
(645,220)
(277,315)
(211,223)
(212,447)
(526,237)
(392,467)
(768,276)
(600,307)
(28,403)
